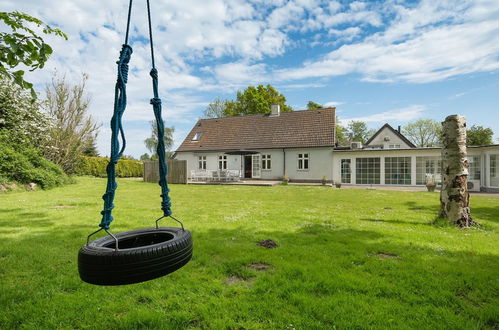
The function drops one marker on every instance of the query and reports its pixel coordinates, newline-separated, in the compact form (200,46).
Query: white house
(302,145)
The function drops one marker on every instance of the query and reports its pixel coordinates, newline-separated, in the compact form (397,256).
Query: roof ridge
(268,114)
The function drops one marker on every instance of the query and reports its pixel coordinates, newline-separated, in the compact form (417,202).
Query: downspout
(332,165)
(284,162)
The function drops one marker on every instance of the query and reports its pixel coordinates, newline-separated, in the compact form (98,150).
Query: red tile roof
(305,128)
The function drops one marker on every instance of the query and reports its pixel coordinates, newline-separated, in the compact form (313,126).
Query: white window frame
(222,162)
(256,170)
(197,136)
(266,162)
(303,159)
(201,162)
(346,170)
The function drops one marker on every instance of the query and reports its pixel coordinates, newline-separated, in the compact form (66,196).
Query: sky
(376,61)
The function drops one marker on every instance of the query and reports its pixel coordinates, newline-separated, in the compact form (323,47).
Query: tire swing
(143,254)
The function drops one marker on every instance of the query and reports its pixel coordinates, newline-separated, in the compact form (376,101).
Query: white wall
(325,162)
(233,161)
(277,164)
(320,163)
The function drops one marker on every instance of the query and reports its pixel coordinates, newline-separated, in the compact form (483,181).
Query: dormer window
(197,136)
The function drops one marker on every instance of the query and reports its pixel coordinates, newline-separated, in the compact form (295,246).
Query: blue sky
(376,61)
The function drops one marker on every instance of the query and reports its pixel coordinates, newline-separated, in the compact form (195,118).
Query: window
(394,146)
(222,162)
(346,173)
(266,162)
(303,161)
(202,162)
(398,170)
(367,170)
(494,170)
(474,168)
(197,136)
(426,166)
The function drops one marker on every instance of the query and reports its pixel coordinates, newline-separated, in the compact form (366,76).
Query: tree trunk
(454,197)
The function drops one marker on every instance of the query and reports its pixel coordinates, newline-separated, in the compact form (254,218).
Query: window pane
(367,170)
(428,167)
(398,170)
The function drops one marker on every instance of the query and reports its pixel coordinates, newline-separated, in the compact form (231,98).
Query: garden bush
(24,164)
(96,166)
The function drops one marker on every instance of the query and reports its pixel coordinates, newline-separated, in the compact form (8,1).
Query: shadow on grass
(399,222)
(322,276)
(413,206)
(486,213)
(20,218)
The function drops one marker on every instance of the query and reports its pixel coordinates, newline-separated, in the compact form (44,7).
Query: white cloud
(397,115)
(412,50)
(239,73)
(333,104)
(220,46)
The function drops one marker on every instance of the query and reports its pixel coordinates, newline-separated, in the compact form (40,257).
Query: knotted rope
(117,129)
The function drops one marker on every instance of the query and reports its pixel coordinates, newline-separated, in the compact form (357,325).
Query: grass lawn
(346,259)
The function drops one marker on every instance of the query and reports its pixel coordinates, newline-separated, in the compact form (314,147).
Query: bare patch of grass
(260,267)
(268,243)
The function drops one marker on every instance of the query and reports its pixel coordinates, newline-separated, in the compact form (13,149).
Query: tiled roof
(305,128)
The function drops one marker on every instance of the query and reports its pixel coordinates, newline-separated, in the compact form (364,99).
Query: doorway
(247,167)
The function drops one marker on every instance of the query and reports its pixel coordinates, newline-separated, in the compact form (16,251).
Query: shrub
(25,165)
(96,166)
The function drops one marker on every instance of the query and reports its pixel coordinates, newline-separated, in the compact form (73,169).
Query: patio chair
(194,176)
(214,176)
(223,175)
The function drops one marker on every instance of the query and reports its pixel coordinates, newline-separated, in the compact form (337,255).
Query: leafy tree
(358,131)
(90,148)
(73,128)
(424,132)
(152,142)
(250,101)
(21,118)
(311,105)
(341,134)
(256,100)
(145,156)
(22,45)
(216,109)
(479,136)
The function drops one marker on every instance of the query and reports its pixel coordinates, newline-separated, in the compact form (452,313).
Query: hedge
(24,164)
(96,166)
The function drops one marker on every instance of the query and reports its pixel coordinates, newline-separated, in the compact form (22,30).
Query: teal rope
(156,104)
(116,127)
(163,169)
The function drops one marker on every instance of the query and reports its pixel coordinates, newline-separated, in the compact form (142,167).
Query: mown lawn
(346,259)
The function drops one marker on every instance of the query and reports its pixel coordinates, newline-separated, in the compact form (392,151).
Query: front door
(256,170)
(247,167)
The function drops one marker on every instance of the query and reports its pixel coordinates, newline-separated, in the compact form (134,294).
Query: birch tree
(454,197)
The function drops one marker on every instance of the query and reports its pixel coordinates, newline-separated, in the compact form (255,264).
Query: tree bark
(454,197)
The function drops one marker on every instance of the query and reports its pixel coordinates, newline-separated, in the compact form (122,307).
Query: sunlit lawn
(346,259)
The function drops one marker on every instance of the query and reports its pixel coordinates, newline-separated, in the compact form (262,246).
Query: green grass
(346,259)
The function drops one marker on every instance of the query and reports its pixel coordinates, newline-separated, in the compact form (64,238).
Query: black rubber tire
(99,263)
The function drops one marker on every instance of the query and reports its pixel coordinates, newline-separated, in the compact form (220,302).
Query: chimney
(275,109)
(398,129)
